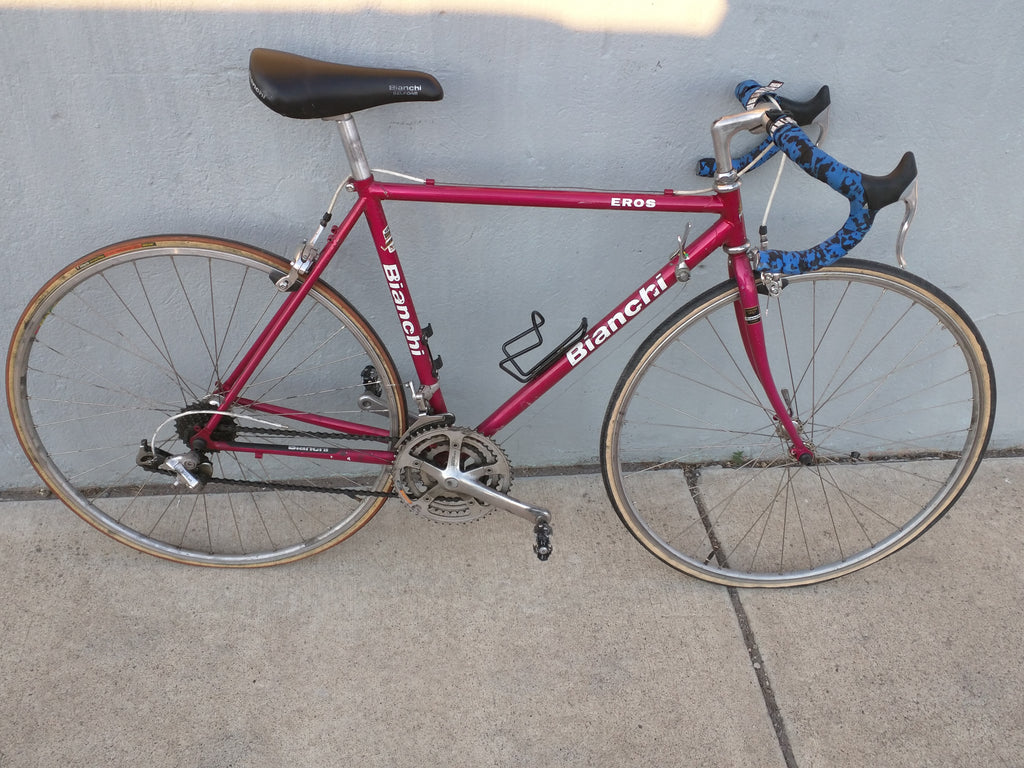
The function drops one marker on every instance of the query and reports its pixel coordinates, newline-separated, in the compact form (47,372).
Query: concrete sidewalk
(416,644)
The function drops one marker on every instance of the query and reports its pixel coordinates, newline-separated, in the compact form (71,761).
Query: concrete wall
(137,118)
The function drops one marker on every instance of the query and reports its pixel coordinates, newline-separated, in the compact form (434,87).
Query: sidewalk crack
(763,680)
(692,475)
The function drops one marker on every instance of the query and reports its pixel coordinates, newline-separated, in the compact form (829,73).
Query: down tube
(640,299)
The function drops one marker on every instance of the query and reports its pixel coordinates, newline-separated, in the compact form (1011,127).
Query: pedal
(543,547)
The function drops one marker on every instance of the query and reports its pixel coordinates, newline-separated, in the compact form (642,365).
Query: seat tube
(415,337)
(748,317)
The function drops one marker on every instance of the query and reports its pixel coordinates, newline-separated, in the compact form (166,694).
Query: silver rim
(129,341)
(890,385)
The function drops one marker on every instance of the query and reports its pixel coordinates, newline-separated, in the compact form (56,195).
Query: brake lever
(910,201)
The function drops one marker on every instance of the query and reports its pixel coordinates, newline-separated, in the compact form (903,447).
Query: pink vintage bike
(211,403)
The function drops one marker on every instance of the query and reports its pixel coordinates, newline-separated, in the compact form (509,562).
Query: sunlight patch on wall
(697,18)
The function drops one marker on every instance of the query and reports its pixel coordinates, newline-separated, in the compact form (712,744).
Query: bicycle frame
(728,232)
(729,227)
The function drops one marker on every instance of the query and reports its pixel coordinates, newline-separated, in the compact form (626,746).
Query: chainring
(433,445)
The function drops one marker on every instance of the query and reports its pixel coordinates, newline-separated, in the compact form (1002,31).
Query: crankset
(456,475)
(433,464)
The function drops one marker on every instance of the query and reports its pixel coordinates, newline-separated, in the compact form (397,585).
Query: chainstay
(263,486)
(351,492)
(267,431)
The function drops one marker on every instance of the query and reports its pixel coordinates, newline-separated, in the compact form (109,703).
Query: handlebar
(867,194)
(804,112)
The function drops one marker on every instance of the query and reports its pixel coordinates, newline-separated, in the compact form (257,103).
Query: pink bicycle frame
(728,232)
(651,289)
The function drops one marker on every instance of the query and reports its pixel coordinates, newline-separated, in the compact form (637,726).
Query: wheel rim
(745,512)
(94,374)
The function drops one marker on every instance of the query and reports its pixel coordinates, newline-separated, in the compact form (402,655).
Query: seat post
(353,148)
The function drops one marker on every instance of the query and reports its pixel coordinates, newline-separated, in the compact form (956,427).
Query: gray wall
(121,123)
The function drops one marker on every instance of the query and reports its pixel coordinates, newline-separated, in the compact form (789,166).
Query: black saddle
(295,86)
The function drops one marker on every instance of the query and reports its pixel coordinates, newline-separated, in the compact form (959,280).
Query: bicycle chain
(293,433)
(351,492)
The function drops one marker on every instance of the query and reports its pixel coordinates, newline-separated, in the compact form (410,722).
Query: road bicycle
(211,403)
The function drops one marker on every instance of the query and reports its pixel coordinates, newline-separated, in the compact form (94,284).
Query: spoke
(162,348)
(743,370)
(702,423)
(253,327)
(879,382)
(883,388)
(80,366)
(125,342)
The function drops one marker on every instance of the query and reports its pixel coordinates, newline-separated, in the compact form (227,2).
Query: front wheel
(131,344)
(889,383)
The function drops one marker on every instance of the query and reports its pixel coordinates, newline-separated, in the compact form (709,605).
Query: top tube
(651,202)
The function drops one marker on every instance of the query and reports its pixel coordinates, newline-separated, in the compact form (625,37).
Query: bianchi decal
(633,307)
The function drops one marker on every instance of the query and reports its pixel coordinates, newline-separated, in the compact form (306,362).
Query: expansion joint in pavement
(756,661)
(763,680)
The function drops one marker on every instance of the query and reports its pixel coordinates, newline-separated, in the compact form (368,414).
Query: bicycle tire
(116,347)
(889,382)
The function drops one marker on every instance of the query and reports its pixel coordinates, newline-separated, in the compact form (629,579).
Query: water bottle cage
(510,365)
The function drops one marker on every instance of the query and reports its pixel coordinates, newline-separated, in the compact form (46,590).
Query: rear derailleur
(192,468)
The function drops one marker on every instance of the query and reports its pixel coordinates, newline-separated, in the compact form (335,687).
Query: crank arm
(462,483)
(488,495)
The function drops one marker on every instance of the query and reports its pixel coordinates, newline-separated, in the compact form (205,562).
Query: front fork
(748,317)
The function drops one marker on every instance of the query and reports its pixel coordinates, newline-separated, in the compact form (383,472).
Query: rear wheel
(131,342)
(889,383)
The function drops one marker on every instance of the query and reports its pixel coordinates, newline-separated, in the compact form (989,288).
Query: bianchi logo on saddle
(633,307)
